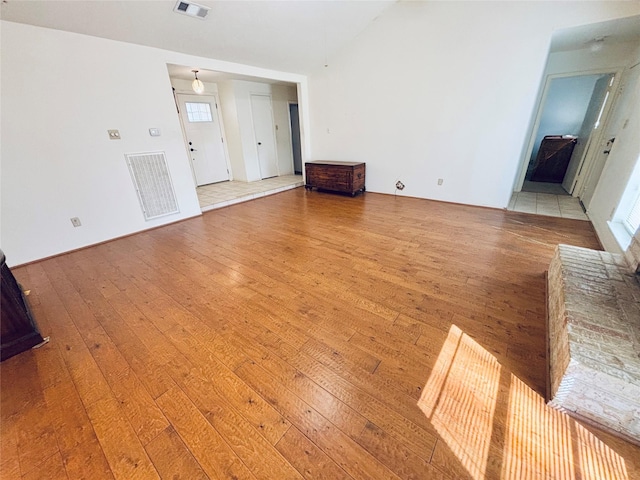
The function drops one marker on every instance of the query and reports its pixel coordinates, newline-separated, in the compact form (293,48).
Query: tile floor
(222,194)
(564,206)
(543,187)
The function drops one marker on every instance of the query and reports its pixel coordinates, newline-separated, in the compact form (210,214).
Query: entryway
(201,121)
(228,193)
(567,149)
(549,204)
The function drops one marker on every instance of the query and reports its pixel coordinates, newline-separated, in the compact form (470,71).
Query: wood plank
(122,448)
(51,467)
(226,385)
(404,420)
(144,416)
(9,459)
(345,452)
(172,458)
(395,455)
(308,459)
(205,443)
(82,454)
(245,439)
(36,438)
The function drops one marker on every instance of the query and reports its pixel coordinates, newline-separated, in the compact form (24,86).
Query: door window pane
(198,112)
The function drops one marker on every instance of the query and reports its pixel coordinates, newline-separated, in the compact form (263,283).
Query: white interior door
(593,176)
(601,92)
(203,135)
(265,135)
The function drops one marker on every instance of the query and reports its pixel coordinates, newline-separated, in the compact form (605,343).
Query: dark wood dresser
(342,177)
(18,331)
(553,159)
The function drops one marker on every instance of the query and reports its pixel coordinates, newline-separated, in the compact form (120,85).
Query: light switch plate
(154,132)
(114,134)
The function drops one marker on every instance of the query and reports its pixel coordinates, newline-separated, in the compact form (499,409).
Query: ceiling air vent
(191,9)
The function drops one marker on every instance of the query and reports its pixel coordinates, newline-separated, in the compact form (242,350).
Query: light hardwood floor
(301,335)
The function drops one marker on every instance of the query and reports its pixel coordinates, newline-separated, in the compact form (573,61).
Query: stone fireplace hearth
(594,339)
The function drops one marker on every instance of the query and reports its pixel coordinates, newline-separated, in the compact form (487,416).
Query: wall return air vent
(191,9)
(151,179)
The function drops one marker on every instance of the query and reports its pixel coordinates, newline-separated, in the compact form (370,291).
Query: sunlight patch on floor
(531,440)
(464,386)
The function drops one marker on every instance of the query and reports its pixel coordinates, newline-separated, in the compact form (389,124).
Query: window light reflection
(529,441)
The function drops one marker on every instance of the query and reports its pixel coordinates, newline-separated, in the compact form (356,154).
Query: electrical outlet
(75,221)
(114,134)
(440,180)
(399,185)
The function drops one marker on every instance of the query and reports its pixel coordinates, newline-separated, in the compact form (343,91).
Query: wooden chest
(343,177)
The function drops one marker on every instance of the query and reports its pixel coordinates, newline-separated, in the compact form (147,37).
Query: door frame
(293,157)
(273,130)
(526,158)
(216,102)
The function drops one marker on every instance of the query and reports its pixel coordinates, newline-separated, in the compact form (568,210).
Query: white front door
(265,135)
(203,135)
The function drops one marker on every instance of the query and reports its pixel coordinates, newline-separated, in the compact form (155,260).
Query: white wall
(624,125)
(236,108)
(442,90)
(60,93)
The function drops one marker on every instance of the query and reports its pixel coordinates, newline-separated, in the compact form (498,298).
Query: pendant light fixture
(197,84)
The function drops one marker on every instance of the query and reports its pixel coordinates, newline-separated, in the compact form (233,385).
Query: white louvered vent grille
(151,178)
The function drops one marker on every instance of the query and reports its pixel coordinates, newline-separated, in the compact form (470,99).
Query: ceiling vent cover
(150,175)
(191,9)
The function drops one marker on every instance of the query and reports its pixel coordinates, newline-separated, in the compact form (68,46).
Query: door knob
(190,143)
(193,149)
(259,143)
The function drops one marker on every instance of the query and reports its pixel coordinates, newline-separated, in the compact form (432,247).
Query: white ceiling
(296,36)
(291,36)
(615,31)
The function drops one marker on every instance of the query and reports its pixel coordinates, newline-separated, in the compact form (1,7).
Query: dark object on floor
(19,331)
(342,177)
(553,159)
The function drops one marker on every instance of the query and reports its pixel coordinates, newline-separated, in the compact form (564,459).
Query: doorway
(569,122)
(200,121)
(264,130)
(294,120)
